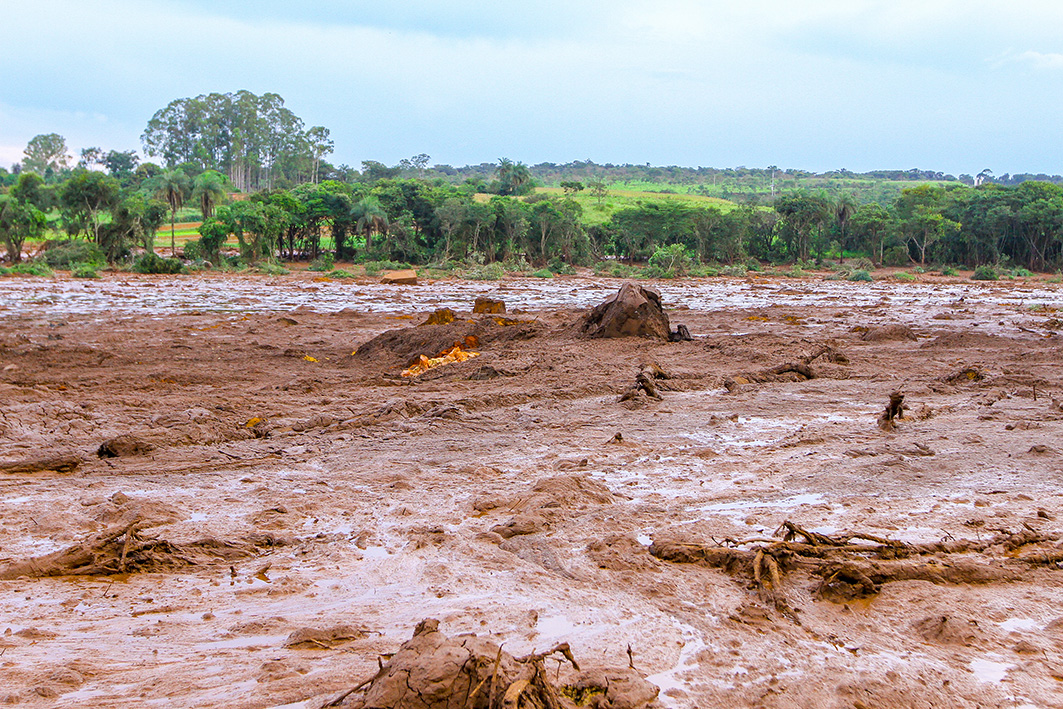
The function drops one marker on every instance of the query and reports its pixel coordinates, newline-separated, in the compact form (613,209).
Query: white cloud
(1039,60)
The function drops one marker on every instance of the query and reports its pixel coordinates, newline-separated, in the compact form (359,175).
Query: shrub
(895,256)
(272,269)
(949,271)
(984,273)
(194,251)
(705,271)
(151,262)
(32,268)
(65,254)
(864,264)
(738,269)
(84,270)
(340,273)
(614,269)
(324,262)
(670,261)
(543,273)
(5,271)
(517,265)
(374,268)
(561,268)
(905,277)
(490,272)
(860,275)
(752,264)
(1020,273)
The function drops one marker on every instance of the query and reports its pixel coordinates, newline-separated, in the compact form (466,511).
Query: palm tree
(172,187)
(208,189)
(369,216)
(512,175)
(844,208)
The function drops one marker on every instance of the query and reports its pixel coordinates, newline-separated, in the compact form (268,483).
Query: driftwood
(855,564)
(124,549)
(646,382)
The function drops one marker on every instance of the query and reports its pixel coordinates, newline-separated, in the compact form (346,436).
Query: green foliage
(340,273)
(542,273)
(860,275)
(984,273)
(1019,273)
(32,268)
(270,268)
(561,268)
(752,264)
(46,154)
(489,272)
(895,256)
(904,276)
(324,262)
(4,271)
(375,268)
(151,262)
(949,271)
(672,261)
(84,270)
(68,253)
(615,269)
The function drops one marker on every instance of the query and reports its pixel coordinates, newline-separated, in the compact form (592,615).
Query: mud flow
(222,491)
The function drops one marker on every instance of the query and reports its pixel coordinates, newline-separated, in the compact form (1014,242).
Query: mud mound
(633,311)
(402,347)
(123,549)
(124,446)
(570,490)
(964,340)
(886,333)
(433,671)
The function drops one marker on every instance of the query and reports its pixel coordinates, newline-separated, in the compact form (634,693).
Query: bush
(860,275)
(324,262)
(561,268)
(1020,273)
(31,268)
(340,273)
(272,269)
(374,268)
(896,256)
(151,262)
(705,271)
(84,270)
(984,273)
(752,265)
(738,269)
(5,271)
(904,277)
(490,272)
(669,262)
(614,269)
(864,264)
(543,273)
(949,271)
(193,251)
(517,265)
(65,254)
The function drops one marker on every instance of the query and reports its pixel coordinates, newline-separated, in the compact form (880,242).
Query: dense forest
(255,176)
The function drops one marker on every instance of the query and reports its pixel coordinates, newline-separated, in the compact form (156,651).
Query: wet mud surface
(208,499)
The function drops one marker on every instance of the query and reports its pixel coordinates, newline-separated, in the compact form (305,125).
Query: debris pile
(434,671)
(448,356)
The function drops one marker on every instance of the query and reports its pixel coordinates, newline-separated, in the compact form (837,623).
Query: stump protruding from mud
(681,334)
(646,382)
(434,671)
(894,410)
(633,311)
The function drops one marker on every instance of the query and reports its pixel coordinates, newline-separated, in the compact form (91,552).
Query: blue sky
(957,86)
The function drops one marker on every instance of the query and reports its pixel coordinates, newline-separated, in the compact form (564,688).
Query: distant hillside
(740,184)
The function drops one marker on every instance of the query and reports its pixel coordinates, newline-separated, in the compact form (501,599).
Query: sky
(952,85)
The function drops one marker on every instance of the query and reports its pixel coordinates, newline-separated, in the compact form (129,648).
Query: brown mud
(252,508)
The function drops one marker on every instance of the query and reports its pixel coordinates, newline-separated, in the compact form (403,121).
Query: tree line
(255,175)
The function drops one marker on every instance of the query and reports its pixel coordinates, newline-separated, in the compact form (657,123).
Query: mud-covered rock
(633,311)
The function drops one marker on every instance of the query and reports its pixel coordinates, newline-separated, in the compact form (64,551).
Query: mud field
(219,492)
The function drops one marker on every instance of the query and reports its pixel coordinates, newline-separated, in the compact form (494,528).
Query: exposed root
(856,564)
(433,671)
(124,549)
(646,382)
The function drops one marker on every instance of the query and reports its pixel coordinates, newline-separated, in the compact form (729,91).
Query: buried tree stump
(434,671)
(633,311)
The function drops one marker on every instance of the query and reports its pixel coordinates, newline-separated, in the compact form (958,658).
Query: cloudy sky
(952,85)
